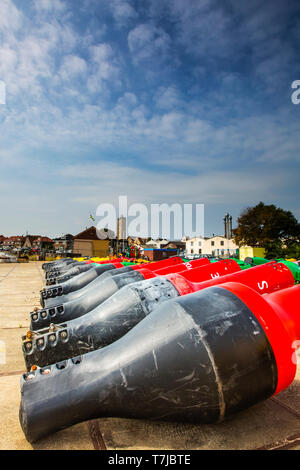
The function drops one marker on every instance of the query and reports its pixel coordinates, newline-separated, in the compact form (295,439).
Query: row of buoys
(191,341)
(122,259)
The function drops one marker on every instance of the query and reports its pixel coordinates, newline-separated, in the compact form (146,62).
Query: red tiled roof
(43,239)
(20,238)
(88,234)
(15,239)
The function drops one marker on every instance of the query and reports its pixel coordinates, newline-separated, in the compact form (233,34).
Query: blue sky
(165,101)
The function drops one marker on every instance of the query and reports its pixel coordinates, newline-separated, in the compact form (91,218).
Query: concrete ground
(273,424)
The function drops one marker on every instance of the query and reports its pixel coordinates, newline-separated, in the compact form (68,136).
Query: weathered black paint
(196,358)
(49,294)
(102,326)
(69,274)
(80,306)
(61,262)
(60,269)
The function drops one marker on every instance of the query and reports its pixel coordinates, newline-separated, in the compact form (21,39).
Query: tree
(270,227)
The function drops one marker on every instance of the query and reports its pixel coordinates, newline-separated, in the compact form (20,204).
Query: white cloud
(11,19)
(101,53)
(128,100)
(122,11)
(72,67)
(105,66)
(168,98)
(8,60)
(29,55)
(198,130)
(49,5)
(146,41)
(148,186)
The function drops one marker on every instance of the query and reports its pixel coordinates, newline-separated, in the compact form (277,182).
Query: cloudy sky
(165,101)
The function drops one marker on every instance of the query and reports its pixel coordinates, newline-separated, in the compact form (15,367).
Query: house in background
(37,244)
(42,245)
(151,243)
(179,246)
(87,243)
(220,246)
(158,254)
(2,240)
(63,244)
(14,243)
(28,242)
(195,246)
(137,241)
(159,243)
(217,245)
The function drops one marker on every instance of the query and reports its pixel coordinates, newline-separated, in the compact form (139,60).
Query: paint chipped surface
(222,405)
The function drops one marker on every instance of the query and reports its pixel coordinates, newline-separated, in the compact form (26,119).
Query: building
(14,243)
(64,244)
(87,243)
(137,241)
(195,246)
(218,246)
(179,246)
(121,228)
(251,252)
(42,245)
(29,242)
(159,243)
(152,243)
(2,240)
(37,244)
(158,254)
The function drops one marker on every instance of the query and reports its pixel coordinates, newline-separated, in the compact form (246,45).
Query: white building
(157,243)
(195,246)
(220,246)
(214,246)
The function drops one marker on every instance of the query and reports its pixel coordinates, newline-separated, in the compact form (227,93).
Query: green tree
(270,227)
